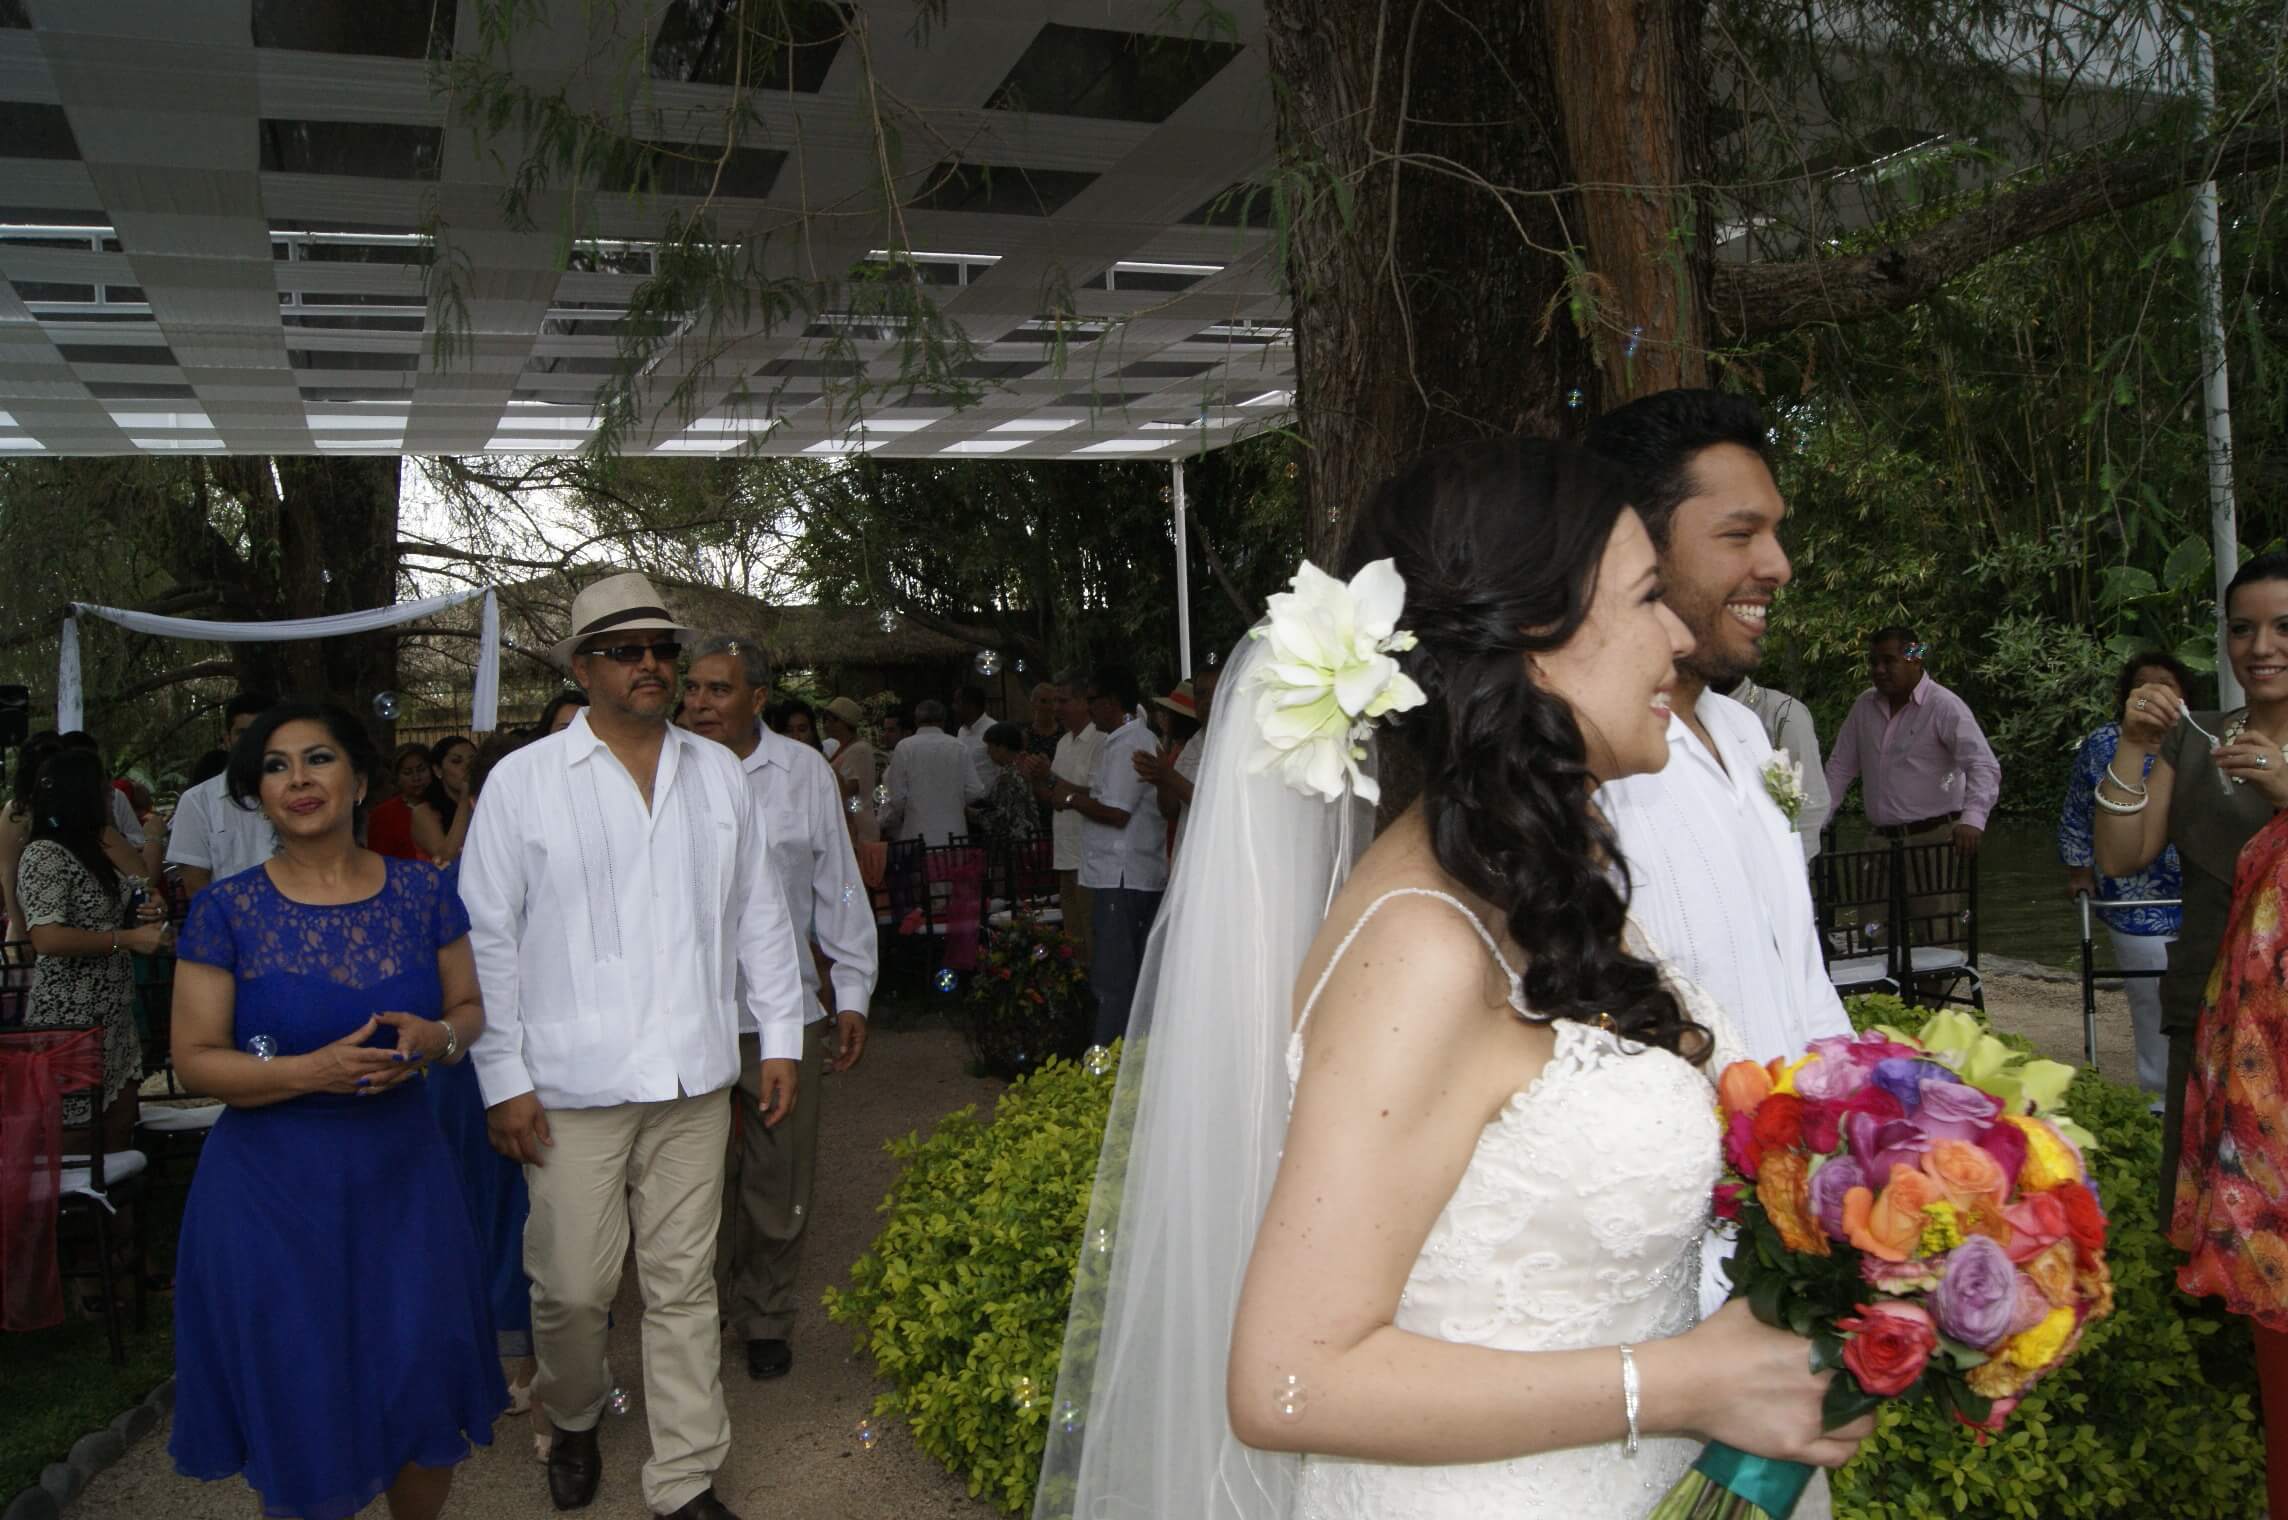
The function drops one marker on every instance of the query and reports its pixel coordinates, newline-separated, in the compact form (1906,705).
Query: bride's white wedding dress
(1578,1223)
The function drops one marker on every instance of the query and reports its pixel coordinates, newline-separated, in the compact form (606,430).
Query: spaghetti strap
(1493,947)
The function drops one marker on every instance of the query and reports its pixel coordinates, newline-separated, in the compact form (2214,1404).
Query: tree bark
(1633,102)
(1427,236)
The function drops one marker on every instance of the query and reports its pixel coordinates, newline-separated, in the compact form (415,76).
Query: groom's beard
(1714,663)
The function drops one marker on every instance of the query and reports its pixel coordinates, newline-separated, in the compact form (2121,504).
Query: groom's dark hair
(1656,438)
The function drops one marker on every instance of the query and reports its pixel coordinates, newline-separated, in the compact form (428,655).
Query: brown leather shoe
(575,1467)
(701,1506)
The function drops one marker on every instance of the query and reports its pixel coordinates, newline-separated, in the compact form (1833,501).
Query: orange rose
(1890,1226)
(2053,1272)
(1783,1187)
(1743,1085)
(1968,1174)
(2093,1284)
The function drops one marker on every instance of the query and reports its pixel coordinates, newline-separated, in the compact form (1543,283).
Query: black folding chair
(1854,905)
(1938,917)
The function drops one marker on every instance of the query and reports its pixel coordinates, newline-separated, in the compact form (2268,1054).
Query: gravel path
(795,1451)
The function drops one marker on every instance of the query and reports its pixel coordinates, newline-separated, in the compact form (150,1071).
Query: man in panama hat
(623,912)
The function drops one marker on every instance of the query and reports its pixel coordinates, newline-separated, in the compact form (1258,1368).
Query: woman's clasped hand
(350,1065)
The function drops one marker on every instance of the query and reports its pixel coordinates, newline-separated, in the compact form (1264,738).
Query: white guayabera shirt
(616,944)
(817,870)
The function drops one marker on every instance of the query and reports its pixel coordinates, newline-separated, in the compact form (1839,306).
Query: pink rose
(1830,1079)
(1742,1153)
(2037,1222)
(2006,1143)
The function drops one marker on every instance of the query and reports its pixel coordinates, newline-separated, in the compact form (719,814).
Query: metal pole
(2216,397)
(1183,577)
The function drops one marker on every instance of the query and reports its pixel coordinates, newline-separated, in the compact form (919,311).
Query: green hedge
(962,1300)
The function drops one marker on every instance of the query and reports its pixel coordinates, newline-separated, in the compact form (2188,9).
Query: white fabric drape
(484,706)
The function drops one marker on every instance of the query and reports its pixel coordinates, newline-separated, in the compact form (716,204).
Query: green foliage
(61,1385)
(961,1299)
(2156,1415)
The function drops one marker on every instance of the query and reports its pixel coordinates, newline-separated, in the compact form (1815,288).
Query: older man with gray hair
(932,781)
(771,1166)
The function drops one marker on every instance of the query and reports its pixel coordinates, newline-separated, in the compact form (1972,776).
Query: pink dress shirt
(1924,761)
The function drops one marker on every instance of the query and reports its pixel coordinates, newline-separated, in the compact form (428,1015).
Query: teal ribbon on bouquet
(1729,1484)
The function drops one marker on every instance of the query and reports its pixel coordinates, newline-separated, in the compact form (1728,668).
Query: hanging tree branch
(1752,300)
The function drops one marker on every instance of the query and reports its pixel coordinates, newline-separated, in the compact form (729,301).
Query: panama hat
(1180,701)
(616,604)
(848,711)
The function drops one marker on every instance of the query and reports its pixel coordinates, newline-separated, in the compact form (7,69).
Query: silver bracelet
(1629,1395)
(2119,809)
(2115,777)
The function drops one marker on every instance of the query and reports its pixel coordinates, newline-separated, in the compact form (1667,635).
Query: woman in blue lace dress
(332,1339)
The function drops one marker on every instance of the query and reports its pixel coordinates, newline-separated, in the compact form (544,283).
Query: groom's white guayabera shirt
(611,938)
(1716,878)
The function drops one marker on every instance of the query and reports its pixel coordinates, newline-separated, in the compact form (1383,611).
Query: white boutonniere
(1783,783)
(1330,675)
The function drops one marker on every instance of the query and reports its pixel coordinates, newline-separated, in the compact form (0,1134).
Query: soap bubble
(853,804)
(618,1401)
(1040,952)
(1020,667)
(1290,1398)
(1097,1061)
(866,1435)
(881,796)
(1636,336)
(1021,1393)
(1573,398)
(325,577)
(1103,1240)
(1068,1417)
(262,1047)
(947,980)
(848,893)
(888,621)
(989,662)
(385,706)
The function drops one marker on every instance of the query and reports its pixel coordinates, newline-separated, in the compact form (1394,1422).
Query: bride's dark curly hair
(1499,543)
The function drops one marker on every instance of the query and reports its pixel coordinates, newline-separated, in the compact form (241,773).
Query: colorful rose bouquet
(1919,1208)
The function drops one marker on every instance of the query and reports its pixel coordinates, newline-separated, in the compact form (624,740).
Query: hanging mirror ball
(385,706)
(989,662)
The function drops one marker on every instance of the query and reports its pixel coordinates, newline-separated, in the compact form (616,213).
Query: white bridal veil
(1138,1430)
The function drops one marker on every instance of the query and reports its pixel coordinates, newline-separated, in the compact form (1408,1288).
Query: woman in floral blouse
(2141,936)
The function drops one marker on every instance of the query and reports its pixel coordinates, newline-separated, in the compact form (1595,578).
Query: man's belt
(1919,826)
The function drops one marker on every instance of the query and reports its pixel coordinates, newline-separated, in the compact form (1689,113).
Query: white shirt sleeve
(190,837)
(1799,736)
(842,910)
(123,818)
(893,811)
(770,981)
(494,891)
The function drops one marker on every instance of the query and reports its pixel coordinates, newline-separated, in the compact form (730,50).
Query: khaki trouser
(1072,899)
(766,1193)
(657,1167)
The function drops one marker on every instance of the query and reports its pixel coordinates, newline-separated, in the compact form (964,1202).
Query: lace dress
(76,990)
(330,1300)
(1578,1223)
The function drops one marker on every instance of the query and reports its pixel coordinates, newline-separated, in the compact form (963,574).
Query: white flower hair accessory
(1330,676)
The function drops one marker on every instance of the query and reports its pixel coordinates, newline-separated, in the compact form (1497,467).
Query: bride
(1400,1210)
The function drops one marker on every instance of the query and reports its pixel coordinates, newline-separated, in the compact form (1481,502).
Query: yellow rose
(1997,1378)
(2036,1348)
(1786,1080)
(2048,1161)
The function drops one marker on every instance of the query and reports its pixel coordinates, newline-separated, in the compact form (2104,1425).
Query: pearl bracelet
(1629,1395)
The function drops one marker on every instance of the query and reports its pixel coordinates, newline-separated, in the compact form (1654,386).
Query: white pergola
(211,218)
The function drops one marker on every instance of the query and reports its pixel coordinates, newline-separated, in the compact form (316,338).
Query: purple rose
(1880,1144)
(1904,1079)
(1977,1295)
(1955,1111)
(1830,1079)
(1833,1178)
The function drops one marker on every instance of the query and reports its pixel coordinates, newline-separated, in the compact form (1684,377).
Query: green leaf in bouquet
(1959,1356)
(1826,1350)
(1960,1397)
(1764,1299)
(1846,1401)
(1799,1315)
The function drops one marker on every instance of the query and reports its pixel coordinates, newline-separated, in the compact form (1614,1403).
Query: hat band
(612,620)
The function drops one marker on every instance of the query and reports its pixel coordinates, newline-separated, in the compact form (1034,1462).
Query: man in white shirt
(625,923)
(971,719)
(1124,848)
(210,836)
(1073,765)
(931,781)
(1715,872)
(1789,726)
(766,1196)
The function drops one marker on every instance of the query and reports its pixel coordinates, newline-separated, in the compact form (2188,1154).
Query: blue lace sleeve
(452,919)
(208,935)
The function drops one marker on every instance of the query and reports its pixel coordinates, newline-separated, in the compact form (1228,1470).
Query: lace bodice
(1577,1223)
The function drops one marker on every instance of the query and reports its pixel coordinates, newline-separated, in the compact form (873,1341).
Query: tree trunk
(1449,279)
(337,541)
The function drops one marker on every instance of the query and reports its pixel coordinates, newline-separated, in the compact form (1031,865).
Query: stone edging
(62,1482)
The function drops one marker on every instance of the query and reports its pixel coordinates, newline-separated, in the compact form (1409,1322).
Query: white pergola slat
(162,291)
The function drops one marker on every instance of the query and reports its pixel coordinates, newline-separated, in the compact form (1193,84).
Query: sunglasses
(667,652)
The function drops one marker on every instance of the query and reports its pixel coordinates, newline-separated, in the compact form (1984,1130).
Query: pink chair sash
(36,1068)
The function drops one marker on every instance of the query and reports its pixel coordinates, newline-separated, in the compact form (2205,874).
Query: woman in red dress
(389,827)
